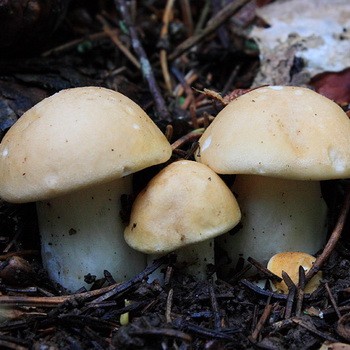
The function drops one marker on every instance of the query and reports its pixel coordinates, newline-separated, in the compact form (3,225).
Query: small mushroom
(183,208)
(280,141)
(289,262)
(73,154)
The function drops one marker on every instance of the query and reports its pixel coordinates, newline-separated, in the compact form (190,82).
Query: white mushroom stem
(277,215)
(158,274)
(196,257)
(82,233)
(192,259)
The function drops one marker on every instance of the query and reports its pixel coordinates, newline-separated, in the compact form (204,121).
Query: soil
(229,312)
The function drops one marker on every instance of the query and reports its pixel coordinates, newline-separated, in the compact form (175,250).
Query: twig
(72,44)
(185,81)
(313,330)
(291,294)
(221,31)
(193,135)
(169,131)
(300,291)
(50,301)
(113,35)
(254,318)
(187,15)
(270,275)
(331,311)
(215,307)
(288,281)
(262,292)
(238,275)
(222,16)
(289,303)
(14,240)
(106,291)
(162,332)
(122,287)
(83,320)
(208,333)
(168,274)
(145,64)
(230,80)
(5,344)
(331,298)
(190,99)
(169,302)
(333,239)
(266,313)
(164,38)
(202,17)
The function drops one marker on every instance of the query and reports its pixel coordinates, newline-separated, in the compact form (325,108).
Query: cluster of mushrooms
(74,154)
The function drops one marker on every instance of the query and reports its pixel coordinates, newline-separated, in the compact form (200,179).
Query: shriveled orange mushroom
(289,262)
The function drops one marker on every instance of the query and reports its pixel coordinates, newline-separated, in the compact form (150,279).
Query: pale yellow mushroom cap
(183,204)
(288,132)
(74,139)
(289,262)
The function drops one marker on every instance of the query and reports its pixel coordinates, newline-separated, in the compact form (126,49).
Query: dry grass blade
(230,9)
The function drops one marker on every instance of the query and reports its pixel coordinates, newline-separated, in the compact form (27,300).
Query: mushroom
(289,262)
(281,141)
(183,208)
(73,154)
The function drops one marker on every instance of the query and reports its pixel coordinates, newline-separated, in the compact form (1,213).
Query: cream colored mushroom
(73,153)
(183,208)
(289,262)
(281,141)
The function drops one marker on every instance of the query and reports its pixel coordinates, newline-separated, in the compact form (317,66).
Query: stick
(333,239)
(145,64)
(231,8)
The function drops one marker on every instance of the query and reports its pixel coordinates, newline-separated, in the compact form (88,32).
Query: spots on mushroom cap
(51,181)
(298,92)
(206,144)
(276,87)
(337,161)
(130,110)
(5,152)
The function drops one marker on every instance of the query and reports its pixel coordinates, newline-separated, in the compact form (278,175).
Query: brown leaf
(335,86)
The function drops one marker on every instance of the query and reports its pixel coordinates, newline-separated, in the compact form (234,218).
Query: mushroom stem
(277,215)
(157,274)
(192,259)
(82,233)
(196,257)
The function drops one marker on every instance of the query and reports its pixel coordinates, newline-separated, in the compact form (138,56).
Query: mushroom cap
(183,204)
(74,139)
(288,132)
(289,262)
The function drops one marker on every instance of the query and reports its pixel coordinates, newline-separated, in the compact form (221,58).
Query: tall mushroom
(73,153)
(183,208)
(281,141)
